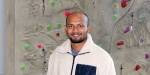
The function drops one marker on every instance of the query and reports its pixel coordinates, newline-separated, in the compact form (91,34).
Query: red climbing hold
(67,13)
(137,67)
(124,3)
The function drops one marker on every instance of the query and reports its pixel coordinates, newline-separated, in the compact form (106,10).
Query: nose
(75,29)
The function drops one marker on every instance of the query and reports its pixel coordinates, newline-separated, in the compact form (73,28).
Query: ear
(89,29)
(65,29)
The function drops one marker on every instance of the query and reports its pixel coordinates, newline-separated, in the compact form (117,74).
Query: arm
(51,65)
(107,68)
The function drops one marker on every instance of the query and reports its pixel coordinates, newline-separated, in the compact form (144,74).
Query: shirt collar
(66,46)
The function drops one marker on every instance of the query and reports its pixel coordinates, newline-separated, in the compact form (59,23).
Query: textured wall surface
(121,27)
(1,37)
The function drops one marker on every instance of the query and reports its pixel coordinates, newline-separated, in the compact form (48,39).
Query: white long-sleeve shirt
(91,60)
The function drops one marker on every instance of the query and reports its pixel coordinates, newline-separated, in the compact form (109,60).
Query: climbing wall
(130,41)
(121,27)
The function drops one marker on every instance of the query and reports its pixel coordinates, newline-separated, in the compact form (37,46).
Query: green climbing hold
(23,67)
(27,45)
(49,27)
(114,17)
(59,26)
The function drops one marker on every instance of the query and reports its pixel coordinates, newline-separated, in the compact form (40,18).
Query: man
(79,55)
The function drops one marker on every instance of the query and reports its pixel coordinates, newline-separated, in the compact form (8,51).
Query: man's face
(76,28)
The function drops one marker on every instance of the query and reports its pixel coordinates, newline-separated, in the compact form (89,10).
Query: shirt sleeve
(106,68)
(110,68)
(50,65)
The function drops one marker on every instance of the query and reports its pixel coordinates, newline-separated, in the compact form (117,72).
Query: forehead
(75,18)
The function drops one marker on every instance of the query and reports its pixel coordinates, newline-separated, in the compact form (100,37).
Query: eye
(80,25)
(69,26)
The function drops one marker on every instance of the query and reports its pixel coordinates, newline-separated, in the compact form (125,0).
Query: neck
(77,46)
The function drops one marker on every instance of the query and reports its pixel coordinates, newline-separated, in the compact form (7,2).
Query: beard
(78,39)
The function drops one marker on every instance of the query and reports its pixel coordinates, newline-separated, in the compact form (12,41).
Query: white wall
(1,37)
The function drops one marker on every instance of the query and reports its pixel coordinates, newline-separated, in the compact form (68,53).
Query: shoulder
(102,53)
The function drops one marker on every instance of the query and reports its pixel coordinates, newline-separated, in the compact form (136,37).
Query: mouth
(75,35)
(76,38)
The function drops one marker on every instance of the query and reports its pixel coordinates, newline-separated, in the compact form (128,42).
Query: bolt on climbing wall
(121,27)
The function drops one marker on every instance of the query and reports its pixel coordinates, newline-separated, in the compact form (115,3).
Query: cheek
(68,31)
(84,31)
